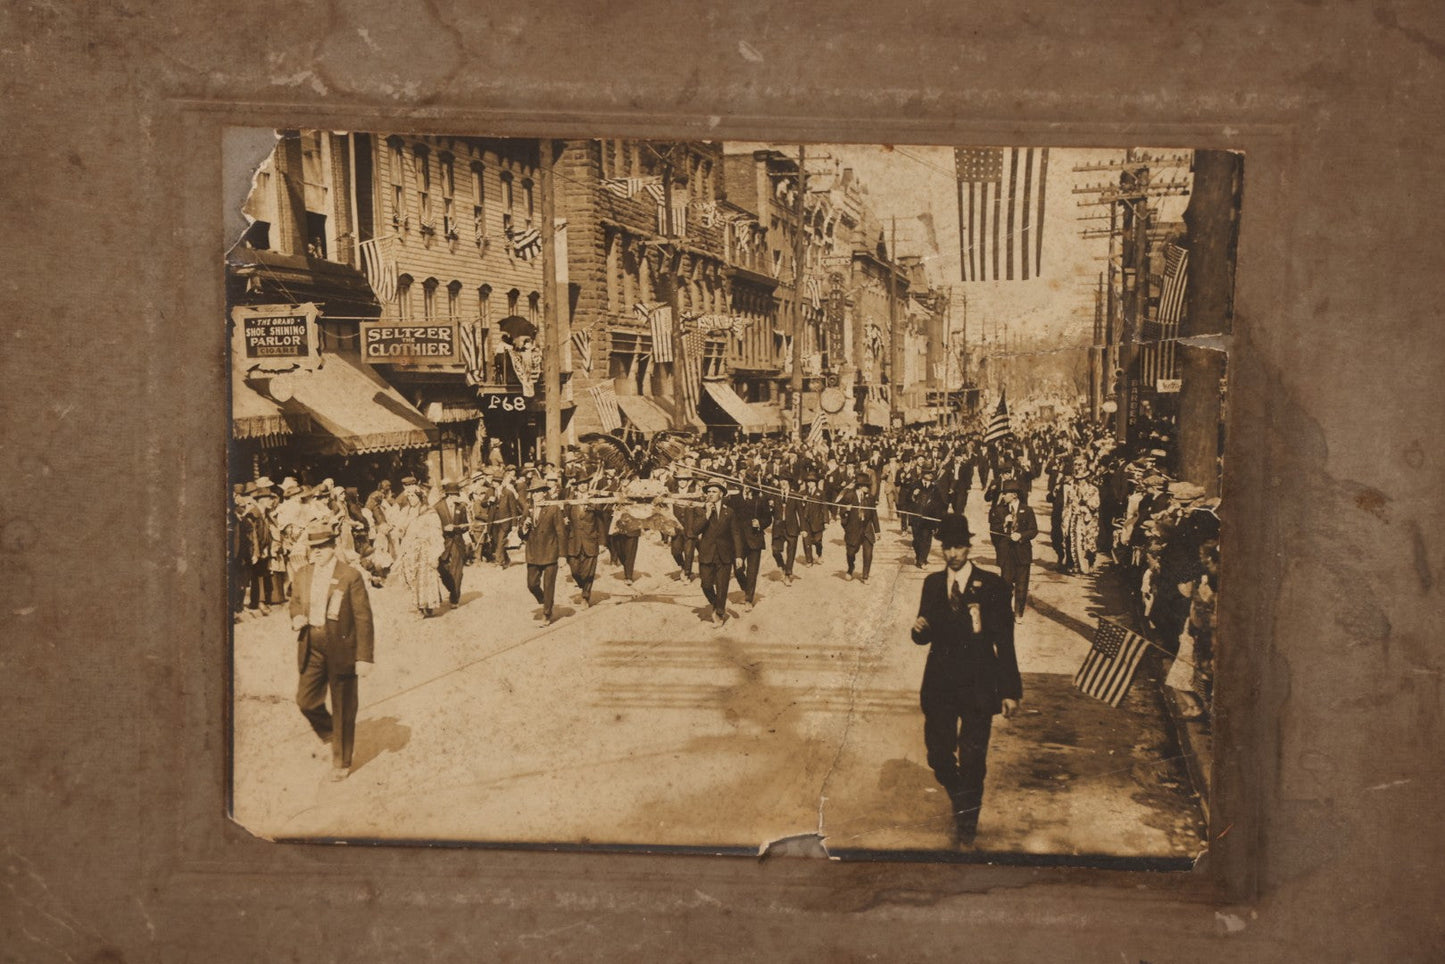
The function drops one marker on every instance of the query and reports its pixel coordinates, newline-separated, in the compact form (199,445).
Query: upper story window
(447,168)
(422,159)
(479,198)
(454,301)
(403,297)
(507,199)
(429,299)
(396,176)
(528,200)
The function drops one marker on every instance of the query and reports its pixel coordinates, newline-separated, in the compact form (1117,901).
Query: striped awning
(644,414)
(738,410)
(357,412)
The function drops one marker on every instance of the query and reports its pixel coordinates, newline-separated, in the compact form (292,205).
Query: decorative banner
(388,343)
(274,339)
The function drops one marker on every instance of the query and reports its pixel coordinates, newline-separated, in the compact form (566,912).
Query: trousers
(956,739)
(747,572)
(715,578)
(852,550)
(318,681)
(542,584)
(584,571)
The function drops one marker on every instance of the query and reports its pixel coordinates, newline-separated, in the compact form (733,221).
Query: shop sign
(275,339)
(389,343)
(502,402)
(1168,386)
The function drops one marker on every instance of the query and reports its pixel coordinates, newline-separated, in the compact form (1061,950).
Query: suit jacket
(929,502)
(815,513)
(1001,527)
(348,639)
(860,524)
(965,669)
(584,530)
(719,538)
(546,536)
(787,515)
(752,509)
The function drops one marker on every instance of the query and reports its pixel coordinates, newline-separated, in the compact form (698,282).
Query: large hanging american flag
(1109,668)
(661,320)
(690,376)
(999,426)
(604,396)
(1001,211)
(471,357)
(1176,275)
(380,264)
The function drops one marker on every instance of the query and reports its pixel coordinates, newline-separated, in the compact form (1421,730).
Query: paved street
(636,722)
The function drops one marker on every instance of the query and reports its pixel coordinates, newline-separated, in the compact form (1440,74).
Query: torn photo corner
(727,497)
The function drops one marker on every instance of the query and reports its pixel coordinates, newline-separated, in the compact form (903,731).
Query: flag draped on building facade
(815,431)
(604,396)
(1001,211)
(1176,275)
(659,318)
(526,243)
(582,345)
(627,187)
(999,426)
(380,263)
(1109,668)
(690,375)
(471,354)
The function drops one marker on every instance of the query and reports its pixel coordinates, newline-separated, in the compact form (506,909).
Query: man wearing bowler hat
(719,538)
(860,524)
(544,528)
(331,615)
(965,617)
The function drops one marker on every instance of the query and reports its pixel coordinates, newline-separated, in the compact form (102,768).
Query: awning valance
(736,409)
(644,414)
(358,411)
(253,415)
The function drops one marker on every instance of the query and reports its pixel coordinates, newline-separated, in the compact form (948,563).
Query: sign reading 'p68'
(387,343)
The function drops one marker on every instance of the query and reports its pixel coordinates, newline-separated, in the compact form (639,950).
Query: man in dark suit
(927,505)
(965,617)
(860,524)
(689,520)
(814,517)
(452,511)
(787,524)
(717,549)
(545,530)
(1013,526)
(585,533)
(754,516)
(331,615)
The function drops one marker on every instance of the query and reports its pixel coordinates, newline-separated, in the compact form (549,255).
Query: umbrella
(515,326)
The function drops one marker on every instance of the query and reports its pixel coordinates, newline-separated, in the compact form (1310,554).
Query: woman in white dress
(421,548)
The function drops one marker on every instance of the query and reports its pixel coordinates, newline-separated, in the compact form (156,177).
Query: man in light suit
(331,615)
(965,617)
(545,530)
(719,538)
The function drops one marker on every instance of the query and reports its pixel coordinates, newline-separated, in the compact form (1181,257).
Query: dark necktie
(955,597)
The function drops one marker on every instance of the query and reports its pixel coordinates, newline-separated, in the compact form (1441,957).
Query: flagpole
(796,379)
(551,315)
(671,270)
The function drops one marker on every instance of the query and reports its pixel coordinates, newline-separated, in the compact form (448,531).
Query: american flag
(376,256)
(626,187)
(1001,210)
(999,426)
(693,345)
(815,431)
(604,396)
(1176,274)
(1109,668)
(526,244)
(471,358)
(582,342)
(660,317)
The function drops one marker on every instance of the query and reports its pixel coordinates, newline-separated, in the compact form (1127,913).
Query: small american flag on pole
(999,426)
(1109,668)
(604,396)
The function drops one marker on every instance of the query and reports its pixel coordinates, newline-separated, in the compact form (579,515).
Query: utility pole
(799,211)
(895,353)
(551,315)
(679,360)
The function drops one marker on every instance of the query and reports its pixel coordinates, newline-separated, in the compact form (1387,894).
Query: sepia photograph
(836,500)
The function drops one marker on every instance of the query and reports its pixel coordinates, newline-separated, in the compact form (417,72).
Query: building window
(454,301)
(484,319)
(534,308)
(528,200)
(514,297)
(403,297)
(422,159)
(479,200)
(429,299)
(397,157)
(449,191)
(507,199)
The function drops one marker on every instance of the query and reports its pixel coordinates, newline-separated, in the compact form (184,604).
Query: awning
(919,416)
(453,411)
(253,415)
(358,410)
(644,414)
(876,414)
(736,409)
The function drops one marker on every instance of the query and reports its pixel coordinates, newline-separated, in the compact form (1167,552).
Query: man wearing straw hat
(331,614)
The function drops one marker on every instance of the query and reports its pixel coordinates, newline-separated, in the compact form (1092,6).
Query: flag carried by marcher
(604,396)
(376,256)
(1001,211)
(999,426)
(1109,668)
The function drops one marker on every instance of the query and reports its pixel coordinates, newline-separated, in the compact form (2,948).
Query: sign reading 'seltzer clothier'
(388,342)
